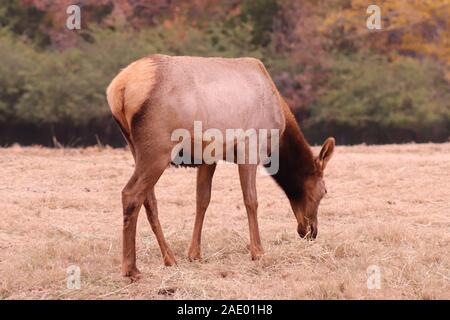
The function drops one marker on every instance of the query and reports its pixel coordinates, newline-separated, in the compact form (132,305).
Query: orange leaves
(414,28)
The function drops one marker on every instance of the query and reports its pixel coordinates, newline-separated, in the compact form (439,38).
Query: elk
(158,94)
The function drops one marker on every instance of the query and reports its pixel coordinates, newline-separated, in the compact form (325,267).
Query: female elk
(158,94)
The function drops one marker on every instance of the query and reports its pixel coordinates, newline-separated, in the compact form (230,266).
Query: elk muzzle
(307,230)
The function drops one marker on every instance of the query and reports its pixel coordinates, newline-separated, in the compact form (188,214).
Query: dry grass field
(387,206)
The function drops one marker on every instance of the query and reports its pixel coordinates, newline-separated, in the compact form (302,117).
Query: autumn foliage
(342,79)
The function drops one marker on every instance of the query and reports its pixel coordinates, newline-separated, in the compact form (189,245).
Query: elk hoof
(195,257)
(133,273)
(169,261)
(257,254)
(194,254)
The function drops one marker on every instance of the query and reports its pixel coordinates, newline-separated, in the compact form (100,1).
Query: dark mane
(296,159)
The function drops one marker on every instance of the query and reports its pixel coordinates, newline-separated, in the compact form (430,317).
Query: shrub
(367,90)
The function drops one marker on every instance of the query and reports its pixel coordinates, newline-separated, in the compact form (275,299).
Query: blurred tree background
(341,79)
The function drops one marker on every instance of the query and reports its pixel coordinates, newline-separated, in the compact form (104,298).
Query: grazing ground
(388,207)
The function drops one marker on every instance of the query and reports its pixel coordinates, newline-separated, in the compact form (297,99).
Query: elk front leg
(204,181)
(151,209)
(247,176)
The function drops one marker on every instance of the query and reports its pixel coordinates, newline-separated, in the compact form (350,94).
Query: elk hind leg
(132,199)
(151,209)
(133,196)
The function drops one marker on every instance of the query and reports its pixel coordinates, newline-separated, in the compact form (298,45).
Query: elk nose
(309,231)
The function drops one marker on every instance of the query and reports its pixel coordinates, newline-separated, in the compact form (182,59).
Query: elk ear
(326,152)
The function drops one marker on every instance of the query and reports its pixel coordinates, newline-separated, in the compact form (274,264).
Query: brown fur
(296,159)
(156,95)
(130,89)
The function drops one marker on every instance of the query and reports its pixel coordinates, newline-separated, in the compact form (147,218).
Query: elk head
(306,206)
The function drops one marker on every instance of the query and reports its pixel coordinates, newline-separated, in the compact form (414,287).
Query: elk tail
(115,94)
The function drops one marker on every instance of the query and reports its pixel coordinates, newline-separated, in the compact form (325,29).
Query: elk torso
(223,93)
(162,93)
